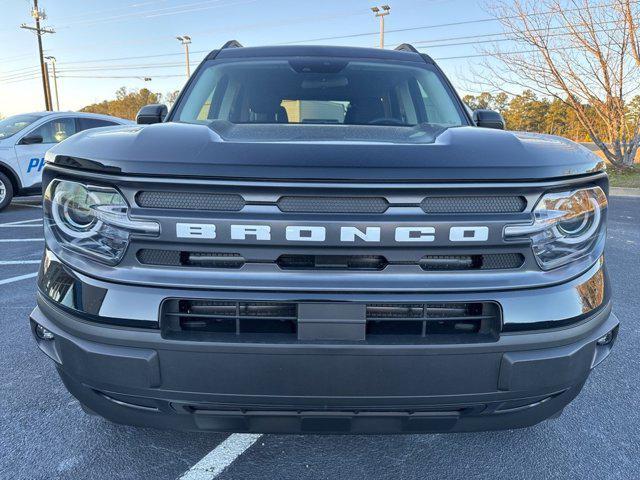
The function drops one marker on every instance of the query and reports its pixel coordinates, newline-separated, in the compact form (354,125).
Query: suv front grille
(225,202)
(341,236)
(178,258)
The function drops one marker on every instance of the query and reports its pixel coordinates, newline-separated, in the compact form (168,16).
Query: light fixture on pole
(186,41)
(381,12)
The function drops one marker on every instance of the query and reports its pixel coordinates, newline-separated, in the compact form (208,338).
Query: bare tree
(583,53)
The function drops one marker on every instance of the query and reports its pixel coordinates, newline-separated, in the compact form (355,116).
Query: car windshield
(321,91)
(12,125)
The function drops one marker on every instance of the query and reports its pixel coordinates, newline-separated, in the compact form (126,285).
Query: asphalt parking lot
(44,434)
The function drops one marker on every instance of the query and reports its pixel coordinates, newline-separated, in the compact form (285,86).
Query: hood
(277,152)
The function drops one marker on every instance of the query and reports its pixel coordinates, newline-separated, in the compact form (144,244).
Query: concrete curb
(624,192)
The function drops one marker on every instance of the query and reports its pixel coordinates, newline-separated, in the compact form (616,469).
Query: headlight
(567,226)
(91,220)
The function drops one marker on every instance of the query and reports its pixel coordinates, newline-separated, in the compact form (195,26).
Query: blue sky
(91,33)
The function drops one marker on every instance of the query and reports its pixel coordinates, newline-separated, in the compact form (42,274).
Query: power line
(122,67)
(173,10)
(125,7)
(137,57)
(441,25)
(172,65)
(120,76)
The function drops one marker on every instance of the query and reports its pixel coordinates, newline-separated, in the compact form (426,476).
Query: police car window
(12,125)
(87,123)
(57,130)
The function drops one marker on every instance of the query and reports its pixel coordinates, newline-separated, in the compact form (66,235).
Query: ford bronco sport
(323,239)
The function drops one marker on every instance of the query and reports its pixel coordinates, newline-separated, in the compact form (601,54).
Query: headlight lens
(91,220)
(566,227)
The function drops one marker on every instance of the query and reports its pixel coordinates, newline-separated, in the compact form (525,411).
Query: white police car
(24,139)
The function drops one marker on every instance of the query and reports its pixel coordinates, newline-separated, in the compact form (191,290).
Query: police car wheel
(6,191)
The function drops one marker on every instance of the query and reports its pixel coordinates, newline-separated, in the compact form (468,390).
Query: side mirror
(31,140)
(153,113)
(488,119)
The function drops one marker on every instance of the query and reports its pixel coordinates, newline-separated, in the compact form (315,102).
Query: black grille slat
(474,204)
(177,258)
(191,201)
(212,260)
(331,262)
(333,204)
(168,258)
(502,261)
(490,261)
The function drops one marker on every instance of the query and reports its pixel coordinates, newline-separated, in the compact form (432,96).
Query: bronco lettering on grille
(349,234)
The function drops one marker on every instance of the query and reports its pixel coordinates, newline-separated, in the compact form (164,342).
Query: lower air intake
(229,317)
(457,322)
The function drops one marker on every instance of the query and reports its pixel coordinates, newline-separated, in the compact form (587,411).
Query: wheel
(6,191)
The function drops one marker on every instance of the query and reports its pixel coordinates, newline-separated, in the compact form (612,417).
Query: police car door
(32,146)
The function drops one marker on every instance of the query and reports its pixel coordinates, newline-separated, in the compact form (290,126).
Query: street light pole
(55,80)
(186,41)
(386,10)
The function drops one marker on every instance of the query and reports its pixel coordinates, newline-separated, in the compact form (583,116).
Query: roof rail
(232,44)
(406,47)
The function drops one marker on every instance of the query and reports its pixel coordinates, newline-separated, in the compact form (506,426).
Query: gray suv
(323,239)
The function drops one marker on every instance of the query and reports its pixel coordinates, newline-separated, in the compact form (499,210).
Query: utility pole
(40,15)
(55,81)
(386,10)
(48,82)
(186,41)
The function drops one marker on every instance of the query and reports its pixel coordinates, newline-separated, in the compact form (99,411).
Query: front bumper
(134,376)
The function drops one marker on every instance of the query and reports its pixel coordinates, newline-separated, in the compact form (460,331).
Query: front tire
(6,191)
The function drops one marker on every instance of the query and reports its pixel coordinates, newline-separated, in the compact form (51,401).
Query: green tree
(526,113)
(126,104)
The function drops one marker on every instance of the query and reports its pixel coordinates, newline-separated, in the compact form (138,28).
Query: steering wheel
(386,121)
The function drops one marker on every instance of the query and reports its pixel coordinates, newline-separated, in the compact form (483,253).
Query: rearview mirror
(31,140)
(154,113)
(488,119)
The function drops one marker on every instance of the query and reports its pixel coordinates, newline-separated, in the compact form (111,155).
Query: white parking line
(27,205)
(11,240)
(214,463)
(19,262)
(39,225)
(18,278)
(20,222)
